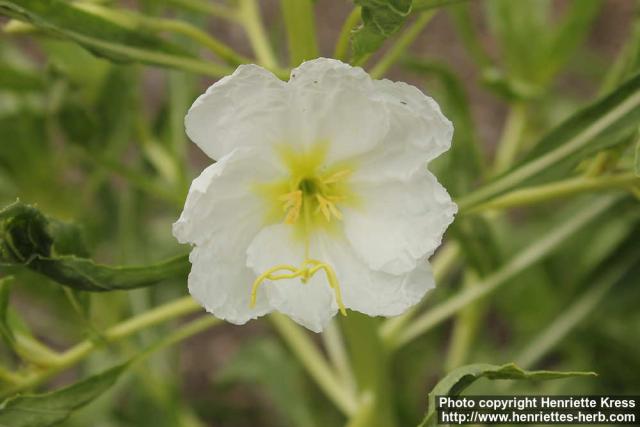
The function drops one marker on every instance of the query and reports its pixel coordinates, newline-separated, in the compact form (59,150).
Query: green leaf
(636,162)
(606,122)
(459,379)
(29,239)
(104,37)
(48,409)
(5,330)
(301,30)
(381,19)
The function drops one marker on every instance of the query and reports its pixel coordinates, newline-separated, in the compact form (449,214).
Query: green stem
(9,377)
(34,351)
(180,62)
(250,18)
(299,20)
(192,328)
(442,263)
(372,370)
(313,361)
(466,324)
(511,137)
(342,45)
(209,7)
(136,20)
(60,362)
(225,52)
(401,45)
(568,187)
(533,167)
(527,257)
(334,344)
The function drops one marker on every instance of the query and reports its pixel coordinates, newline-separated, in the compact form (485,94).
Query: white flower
(320,198)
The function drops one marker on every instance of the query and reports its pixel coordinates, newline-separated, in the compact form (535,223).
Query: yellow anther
(323,206)
(337,177)
(292,205)
(327,206)
(334,210)
(306,272)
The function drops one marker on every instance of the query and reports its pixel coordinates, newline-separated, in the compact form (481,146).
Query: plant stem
(401,45)
(209,7)
(550,158)
(9,377)
(342,45)
(299,20)
(183,332)
(34,351)
(315,363)
(511,137)
(225,52)
(371,363)
(527,257)
(334,344)
(250,18)
(137,20)
(60,362)
(541,193)
(465,326)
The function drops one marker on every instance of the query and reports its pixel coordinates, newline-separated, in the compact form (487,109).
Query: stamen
(336,177)
(309,268)
(292,205)
(323,205)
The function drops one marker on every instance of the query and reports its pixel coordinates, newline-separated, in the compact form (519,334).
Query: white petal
(222,197)
(418,133)
(221,282)
(373,292)
(334,102)
(311,304)
(247,108)
(221,217)
(398,222)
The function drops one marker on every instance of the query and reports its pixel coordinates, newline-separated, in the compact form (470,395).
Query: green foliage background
(541,267)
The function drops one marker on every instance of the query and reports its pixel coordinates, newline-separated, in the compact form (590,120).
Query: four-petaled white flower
(320,198)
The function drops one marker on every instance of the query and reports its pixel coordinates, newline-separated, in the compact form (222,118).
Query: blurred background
(100,143)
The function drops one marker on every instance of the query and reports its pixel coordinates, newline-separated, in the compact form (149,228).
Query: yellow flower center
(308,199)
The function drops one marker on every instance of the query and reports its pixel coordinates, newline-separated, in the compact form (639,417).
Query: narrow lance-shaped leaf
(48,409)
(459,379)
(29,239)
(104,37)
(636,162)
(606,122)
(299,21)
(5,330)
